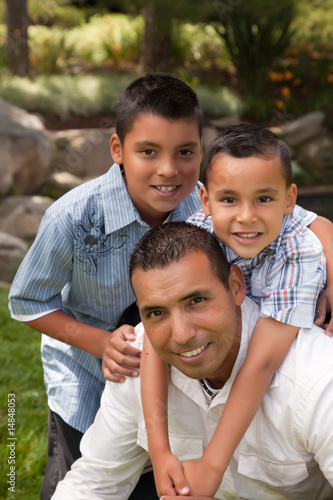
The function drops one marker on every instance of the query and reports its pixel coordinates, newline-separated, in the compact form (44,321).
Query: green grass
(21,374)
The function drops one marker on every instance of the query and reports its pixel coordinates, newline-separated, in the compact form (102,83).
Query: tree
(17,46)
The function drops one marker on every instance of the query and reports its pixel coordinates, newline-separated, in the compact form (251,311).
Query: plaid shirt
(288,275)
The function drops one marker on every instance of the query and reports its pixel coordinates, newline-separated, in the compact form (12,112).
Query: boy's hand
(166,497)
(169,477)
(325,307)
(119,357)
(202,479)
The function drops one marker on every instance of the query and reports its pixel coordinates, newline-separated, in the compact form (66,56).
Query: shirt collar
(119,210)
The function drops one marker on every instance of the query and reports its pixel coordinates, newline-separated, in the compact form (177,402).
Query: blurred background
(63,65)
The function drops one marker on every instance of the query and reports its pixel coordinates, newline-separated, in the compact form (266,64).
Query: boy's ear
(116,149)
(204,200)
(291,199)
(237,284)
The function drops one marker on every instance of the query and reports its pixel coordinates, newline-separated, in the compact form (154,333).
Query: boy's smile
(161,160)
(247,199)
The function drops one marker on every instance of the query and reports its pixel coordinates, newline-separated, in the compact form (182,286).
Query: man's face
(247,199)
(161,160)
(191,320)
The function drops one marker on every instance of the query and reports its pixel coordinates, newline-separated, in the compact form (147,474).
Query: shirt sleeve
(201,220)
(306,215)
(43,273)
(112,461)
(294,280)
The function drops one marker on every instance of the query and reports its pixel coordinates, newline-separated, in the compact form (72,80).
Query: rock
(302,129)
(208,134)
(61,183)
(25,151)
(82,152)
(317,154)
(225,122)
(12,251)
(20,216)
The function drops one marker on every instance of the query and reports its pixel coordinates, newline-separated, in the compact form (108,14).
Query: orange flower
(330,78)
(297,81)
(279,104)
(274,76)
(288,75)
(285,91)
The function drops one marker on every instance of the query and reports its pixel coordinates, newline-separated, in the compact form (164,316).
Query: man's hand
(324,307)
(119,358)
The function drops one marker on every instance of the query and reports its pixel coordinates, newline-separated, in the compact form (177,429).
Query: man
(197,317)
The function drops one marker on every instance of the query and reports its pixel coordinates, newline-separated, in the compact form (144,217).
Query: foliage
(61,94)
(21,374)
(255,33)
(50,52)
(113,38)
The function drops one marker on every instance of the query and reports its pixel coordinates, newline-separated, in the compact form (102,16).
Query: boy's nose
(246,213)
(167,168)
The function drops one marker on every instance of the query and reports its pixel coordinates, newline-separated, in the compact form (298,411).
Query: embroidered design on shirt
(91,241)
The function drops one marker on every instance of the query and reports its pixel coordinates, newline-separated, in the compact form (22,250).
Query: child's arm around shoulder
(323,229)
(119,359)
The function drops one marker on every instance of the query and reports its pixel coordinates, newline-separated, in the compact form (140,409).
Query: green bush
(50,51)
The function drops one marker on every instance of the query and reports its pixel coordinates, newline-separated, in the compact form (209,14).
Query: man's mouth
(166,189)
(194,352)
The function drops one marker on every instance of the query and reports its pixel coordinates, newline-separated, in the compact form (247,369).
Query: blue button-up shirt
(79,263)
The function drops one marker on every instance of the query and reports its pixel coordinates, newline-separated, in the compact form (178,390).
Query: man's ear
(204,200)
(116,149)
(237,284)
(291,199)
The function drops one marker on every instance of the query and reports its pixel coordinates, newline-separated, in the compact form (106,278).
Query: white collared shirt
(287,451)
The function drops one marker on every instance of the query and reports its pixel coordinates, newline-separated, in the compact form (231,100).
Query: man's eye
(154,314)
(197,300)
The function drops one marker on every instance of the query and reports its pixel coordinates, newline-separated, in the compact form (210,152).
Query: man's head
(189,299)
(247,187)
(158,142)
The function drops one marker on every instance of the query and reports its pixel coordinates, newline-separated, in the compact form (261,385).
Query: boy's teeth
(189,354)
(247,235)
(165,189)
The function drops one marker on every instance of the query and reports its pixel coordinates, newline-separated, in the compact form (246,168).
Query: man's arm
(112,461)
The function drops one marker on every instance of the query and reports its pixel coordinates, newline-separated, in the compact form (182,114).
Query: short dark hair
(244,141)
(170,242)
(160,95)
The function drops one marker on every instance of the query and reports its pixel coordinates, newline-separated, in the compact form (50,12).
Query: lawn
(23,410)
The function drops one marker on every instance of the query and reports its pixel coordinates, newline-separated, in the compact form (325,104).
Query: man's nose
(246,213)
(182,329)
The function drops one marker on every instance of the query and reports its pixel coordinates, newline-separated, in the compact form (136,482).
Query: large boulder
(84,153)
(12,251)
(25,151)
(21,215)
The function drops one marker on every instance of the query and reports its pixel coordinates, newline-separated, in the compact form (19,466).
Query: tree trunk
(156,47)
(17,47)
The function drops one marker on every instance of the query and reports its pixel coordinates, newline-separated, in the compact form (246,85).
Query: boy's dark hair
(170,242)
(160,95)
(244,141)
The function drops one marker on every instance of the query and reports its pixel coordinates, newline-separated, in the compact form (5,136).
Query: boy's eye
(264,199)
(228,200)
(148,152)
(185,152)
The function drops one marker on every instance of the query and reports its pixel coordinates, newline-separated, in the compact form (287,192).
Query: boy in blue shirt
(73,284)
